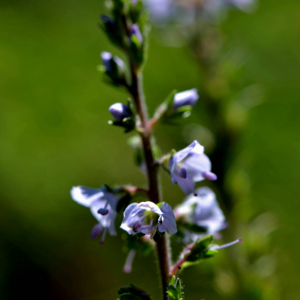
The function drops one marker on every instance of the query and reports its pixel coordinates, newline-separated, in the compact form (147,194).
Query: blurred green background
(54,135)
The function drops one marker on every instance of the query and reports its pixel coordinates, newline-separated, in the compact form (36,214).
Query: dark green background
(54,134)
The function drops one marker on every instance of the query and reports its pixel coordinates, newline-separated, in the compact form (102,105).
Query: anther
(103,211)
(183,173)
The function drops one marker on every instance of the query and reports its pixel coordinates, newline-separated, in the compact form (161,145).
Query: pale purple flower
(134,30)
(119,111)
(103,206)
(189,97)
(147,217)
(190,165)
(203,211)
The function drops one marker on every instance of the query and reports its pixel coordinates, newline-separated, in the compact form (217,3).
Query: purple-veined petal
(196,165)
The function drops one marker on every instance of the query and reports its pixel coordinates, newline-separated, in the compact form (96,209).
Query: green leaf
(135,11)
(173,294)
(134,293)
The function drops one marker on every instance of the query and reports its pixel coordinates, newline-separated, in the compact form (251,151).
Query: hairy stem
(135,89)
(152,172)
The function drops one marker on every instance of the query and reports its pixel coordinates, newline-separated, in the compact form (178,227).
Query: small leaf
(173,294)
(133,293)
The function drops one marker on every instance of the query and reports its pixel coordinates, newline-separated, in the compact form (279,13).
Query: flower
(190,165)
(203,211)
(146,217)
(119,111)
(186,98)
(103,206)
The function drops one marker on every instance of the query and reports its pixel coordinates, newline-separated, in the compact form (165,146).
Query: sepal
(200,250)
(175,289)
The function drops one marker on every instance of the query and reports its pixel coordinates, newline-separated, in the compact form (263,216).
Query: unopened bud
(119,111)
(136,31)
(186,98)
(114,66)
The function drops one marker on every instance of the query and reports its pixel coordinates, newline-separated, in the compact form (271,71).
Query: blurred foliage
(54,135)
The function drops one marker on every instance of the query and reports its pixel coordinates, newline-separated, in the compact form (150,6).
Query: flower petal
(186,184)
(128,221)
(85,195)
(169,221)
(196,164)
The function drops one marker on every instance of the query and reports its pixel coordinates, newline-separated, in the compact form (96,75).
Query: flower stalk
(136,91)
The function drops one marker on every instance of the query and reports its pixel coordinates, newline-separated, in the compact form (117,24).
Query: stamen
(103,236)
(103,211)
(209,176)
(128,263)
(226,245)
(160,220)
(176,277)
(183,173)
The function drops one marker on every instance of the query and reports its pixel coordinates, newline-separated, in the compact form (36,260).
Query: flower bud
(186,98)
(119,111)
(136,31)
(114,66)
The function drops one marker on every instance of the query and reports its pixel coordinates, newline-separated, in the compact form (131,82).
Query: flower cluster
(151,221)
